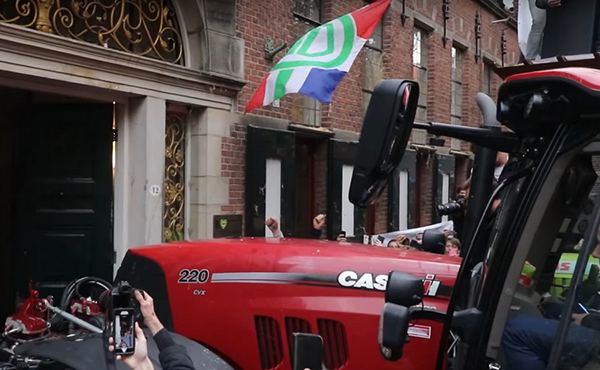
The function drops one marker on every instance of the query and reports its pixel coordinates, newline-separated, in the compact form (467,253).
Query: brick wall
(274,19)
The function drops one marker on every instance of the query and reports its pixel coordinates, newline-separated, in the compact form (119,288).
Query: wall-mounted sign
(155,190)
(227,226)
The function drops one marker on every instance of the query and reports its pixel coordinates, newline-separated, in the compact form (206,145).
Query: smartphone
(381,239)
(343,233)
(308,351)
(124,331)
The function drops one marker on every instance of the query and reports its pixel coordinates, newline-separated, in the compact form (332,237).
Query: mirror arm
(487,138)
(422,313)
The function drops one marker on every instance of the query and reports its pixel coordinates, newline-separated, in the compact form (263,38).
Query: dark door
(305,187)
(63,195)
(262,145)
(443,181)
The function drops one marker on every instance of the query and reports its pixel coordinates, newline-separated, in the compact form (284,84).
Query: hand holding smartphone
(124,331)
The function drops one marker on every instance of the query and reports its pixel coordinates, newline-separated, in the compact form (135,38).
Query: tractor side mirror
(393,331)
(434,241)
(403,291)
(383,138)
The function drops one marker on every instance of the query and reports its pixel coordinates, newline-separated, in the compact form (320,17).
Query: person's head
(453,246)
(501,159)
(419,238)
(393,244)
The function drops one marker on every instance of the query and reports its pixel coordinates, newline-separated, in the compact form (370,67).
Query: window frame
(312,109)
(304,17)
(374,45)
(457,93)
(486,75)
(421,67)
(368,90)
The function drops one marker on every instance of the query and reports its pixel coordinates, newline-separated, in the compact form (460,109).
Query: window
(376,40)
(372,74)
(486,79)
(305,110)
(309,9)
(373,66)
(419,60)
(457,92)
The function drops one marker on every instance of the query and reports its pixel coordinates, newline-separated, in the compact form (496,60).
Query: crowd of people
(402,242)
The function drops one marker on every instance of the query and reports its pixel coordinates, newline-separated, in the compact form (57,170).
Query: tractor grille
(336,345)
(295,325)
(269,342)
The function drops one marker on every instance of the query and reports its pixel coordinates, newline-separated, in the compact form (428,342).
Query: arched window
(143,27)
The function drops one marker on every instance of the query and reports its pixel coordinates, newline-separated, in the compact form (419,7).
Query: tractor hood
(256,289)
(317,263)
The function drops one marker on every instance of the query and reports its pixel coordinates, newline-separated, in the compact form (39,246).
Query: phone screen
(124,331)
(381,238)
(308,351)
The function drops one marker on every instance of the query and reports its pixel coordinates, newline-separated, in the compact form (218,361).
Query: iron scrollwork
(174,188)
(142,27)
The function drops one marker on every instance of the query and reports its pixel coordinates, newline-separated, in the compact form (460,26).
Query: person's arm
(139,360)
(273,225)
(591,320)
(315,234)
(172,356)
(318,224)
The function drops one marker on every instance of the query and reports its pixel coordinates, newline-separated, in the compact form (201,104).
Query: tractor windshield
(531,300)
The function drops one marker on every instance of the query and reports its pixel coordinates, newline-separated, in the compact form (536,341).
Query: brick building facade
(322,139)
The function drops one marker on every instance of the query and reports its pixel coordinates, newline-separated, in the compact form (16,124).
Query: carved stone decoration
(143,27)
(503,46)
(446,16)
(403,16)
(477,36)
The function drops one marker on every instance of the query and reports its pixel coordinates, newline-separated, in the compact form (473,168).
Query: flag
(318,61)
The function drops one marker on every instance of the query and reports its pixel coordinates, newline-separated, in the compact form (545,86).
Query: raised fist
(319,221)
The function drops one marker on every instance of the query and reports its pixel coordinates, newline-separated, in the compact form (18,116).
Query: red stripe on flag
(367,17)
(258,98)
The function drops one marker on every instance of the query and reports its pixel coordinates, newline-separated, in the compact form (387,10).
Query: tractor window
(540,278)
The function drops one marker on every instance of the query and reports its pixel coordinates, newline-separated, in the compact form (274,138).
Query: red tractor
(379,308)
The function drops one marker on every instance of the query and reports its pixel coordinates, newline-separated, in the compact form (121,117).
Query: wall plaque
(227,226)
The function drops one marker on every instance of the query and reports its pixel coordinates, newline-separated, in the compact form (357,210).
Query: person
(580,37)
(534,39)
(527,341)
(501,160)
(273,226)
(453,247)
(393,244)
(318,224)
(172,356)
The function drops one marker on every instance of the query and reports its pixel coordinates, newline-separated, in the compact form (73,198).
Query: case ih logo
(431,285)
(351,279)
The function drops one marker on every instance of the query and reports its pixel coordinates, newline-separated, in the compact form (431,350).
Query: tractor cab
(531,267)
